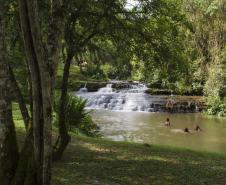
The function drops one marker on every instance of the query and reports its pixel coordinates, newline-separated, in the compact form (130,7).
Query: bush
(216,106)
(215,88)
(77,118)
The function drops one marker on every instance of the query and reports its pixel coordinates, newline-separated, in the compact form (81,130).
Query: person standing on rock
(170,104)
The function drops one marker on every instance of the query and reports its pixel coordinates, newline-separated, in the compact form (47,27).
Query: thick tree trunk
(45,92)
(8,142)
(41,90)
(35,79)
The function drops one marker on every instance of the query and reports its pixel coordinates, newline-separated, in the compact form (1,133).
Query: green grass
(97,161)
(91,161)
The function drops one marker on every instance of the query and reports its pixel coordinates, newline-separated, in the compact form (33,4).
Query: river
(129,115)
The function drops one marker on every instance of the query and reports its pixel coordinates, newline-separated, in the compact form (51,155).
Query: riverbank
(90,161)
(101,162)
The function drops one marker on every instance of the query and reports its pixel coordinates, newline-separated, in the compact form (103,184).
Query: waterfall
(106,90)
(132,97)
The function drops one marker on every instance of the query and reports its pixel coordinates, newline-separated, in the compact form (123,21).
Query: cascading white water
(107,89)
(132,97)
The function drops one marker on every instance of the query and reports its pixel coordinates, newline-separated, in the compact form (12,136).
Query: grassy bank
(89,161)
(101,162)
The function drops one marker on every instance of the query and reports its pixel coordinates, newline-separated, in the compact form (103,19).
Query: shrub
(216,106)
(77,118)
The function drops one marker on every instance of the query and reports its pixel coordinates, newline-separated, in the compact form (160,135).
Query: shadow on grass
(102,162)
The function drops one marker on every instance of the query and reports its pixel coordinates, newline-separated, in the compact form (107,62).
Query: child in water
(197,128)
(167,122)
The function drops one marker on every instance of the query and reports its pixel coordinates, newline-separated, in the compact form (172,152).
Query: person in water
(167,122)
(197,128)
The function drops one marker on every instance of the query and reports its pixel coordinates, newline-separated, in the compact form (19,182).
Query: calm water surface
(149,128)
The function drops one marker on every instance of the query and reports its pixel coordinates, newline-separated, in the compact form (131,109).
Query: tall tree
(34,163)
(76,39)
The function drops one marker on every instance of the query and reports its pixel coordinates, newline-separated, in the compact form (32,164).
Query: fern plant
(77,118)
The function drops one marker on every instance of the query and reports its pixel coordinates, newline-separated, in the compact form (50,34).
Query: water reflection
(149,128)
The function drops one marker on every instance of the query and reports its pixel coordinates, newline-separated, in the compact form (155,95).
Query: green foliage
(215,87)
(175,45)
(215,83)
(77,118)
(160,56)
(205,49)
(95,72)
(216,106)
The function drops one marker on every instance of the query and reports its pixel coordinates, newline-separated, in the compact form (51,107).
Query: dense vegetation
(180,47)
(177,45)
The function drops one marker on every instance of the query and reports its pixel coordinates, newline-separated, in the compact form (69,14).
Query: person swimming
(186,130)
(167,122)
(197,128)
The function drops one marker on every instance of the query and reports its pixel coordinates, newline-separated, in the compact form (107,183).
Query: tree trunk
(8,142)
(64,137)
(41,90)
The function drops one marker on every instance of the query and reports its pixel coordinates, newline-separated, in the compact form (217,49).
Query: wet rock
(150,110)
(134,109)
